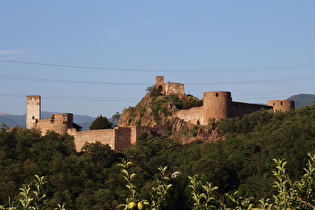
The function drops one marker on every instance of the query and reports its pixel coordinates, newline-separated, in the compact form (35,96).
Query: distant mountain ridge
(302,99)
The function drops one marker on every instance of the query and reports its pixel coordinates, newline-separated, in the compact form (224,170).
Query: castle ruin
(117,138)
(216,105)
(169,87)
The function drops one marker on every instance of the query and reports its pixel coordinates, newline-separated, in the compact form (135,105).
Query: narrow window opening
(52,119)
(65,120)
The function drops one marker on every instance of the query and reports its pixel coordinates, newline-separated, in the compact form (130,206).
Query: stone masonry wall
(194,115)
(59,122)
(216,105)
(136,131)
(282,105)
(240,109)
(33,110)
(104,136)
(122,138)
(159,84)
(174,88)
(44,125)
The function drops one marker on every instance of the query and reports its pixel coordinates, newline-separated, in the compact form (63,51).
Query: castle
(216,105)
(117,138)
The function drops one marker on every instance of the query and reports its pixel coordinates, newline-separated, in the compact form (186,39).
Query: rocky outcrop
(142,114)
(160,110)
(185,132)
(148,112)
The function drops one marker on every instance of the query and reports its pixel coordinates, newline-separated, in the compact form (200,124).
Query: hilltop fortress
(216,105)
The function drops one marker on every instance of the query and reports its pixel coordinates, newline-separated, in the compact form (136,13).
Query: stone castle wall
(104,136)
(282,105)
(136,132)
(219,104)
(174,88)
(117,138)
(157,130)
(168,88)
(122,138)
(194,115)
(239,109)
(59,122)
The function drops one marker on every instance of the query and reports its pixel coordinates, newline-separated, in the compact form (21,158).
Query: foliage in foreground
(289,194)
(31,197)
(157,194)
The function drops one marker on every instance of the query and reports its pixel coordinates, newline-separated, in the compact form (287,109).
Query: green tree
(100,122)
(153,91)
(4,127)
(116,116)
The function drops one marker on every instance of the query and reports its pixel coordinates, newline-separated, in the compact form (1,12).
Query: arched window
(160,88)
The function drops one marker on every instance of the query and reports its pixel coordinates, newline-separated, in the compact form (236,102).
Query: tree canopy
(91,179)
(101,122)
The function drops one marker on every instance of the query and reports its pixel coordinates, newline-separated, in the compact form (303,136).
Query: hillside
(242,161)
(156,109)
(302,99)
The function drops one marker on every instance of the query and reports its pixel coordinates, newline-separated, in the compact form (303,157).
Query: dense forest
(242,161)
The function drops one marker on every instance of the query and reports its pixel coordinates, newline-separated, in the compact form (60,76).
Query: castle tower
(159,84)
(216,105)
(33,110)
(282,105)
(60,122)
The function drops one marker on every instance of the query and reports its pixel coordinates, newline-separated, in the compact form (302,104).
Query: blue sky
(98,57)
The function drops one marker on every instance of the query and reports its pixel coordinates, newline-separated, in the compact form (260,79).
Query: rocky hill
(158,109)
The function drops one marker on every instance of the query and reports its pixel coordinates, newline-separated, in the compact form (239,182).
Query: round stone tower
(282,105)
(216,105)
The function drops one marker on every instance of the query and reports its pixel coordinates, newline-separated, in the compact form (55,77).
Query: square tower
(33,110)
(159,84)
